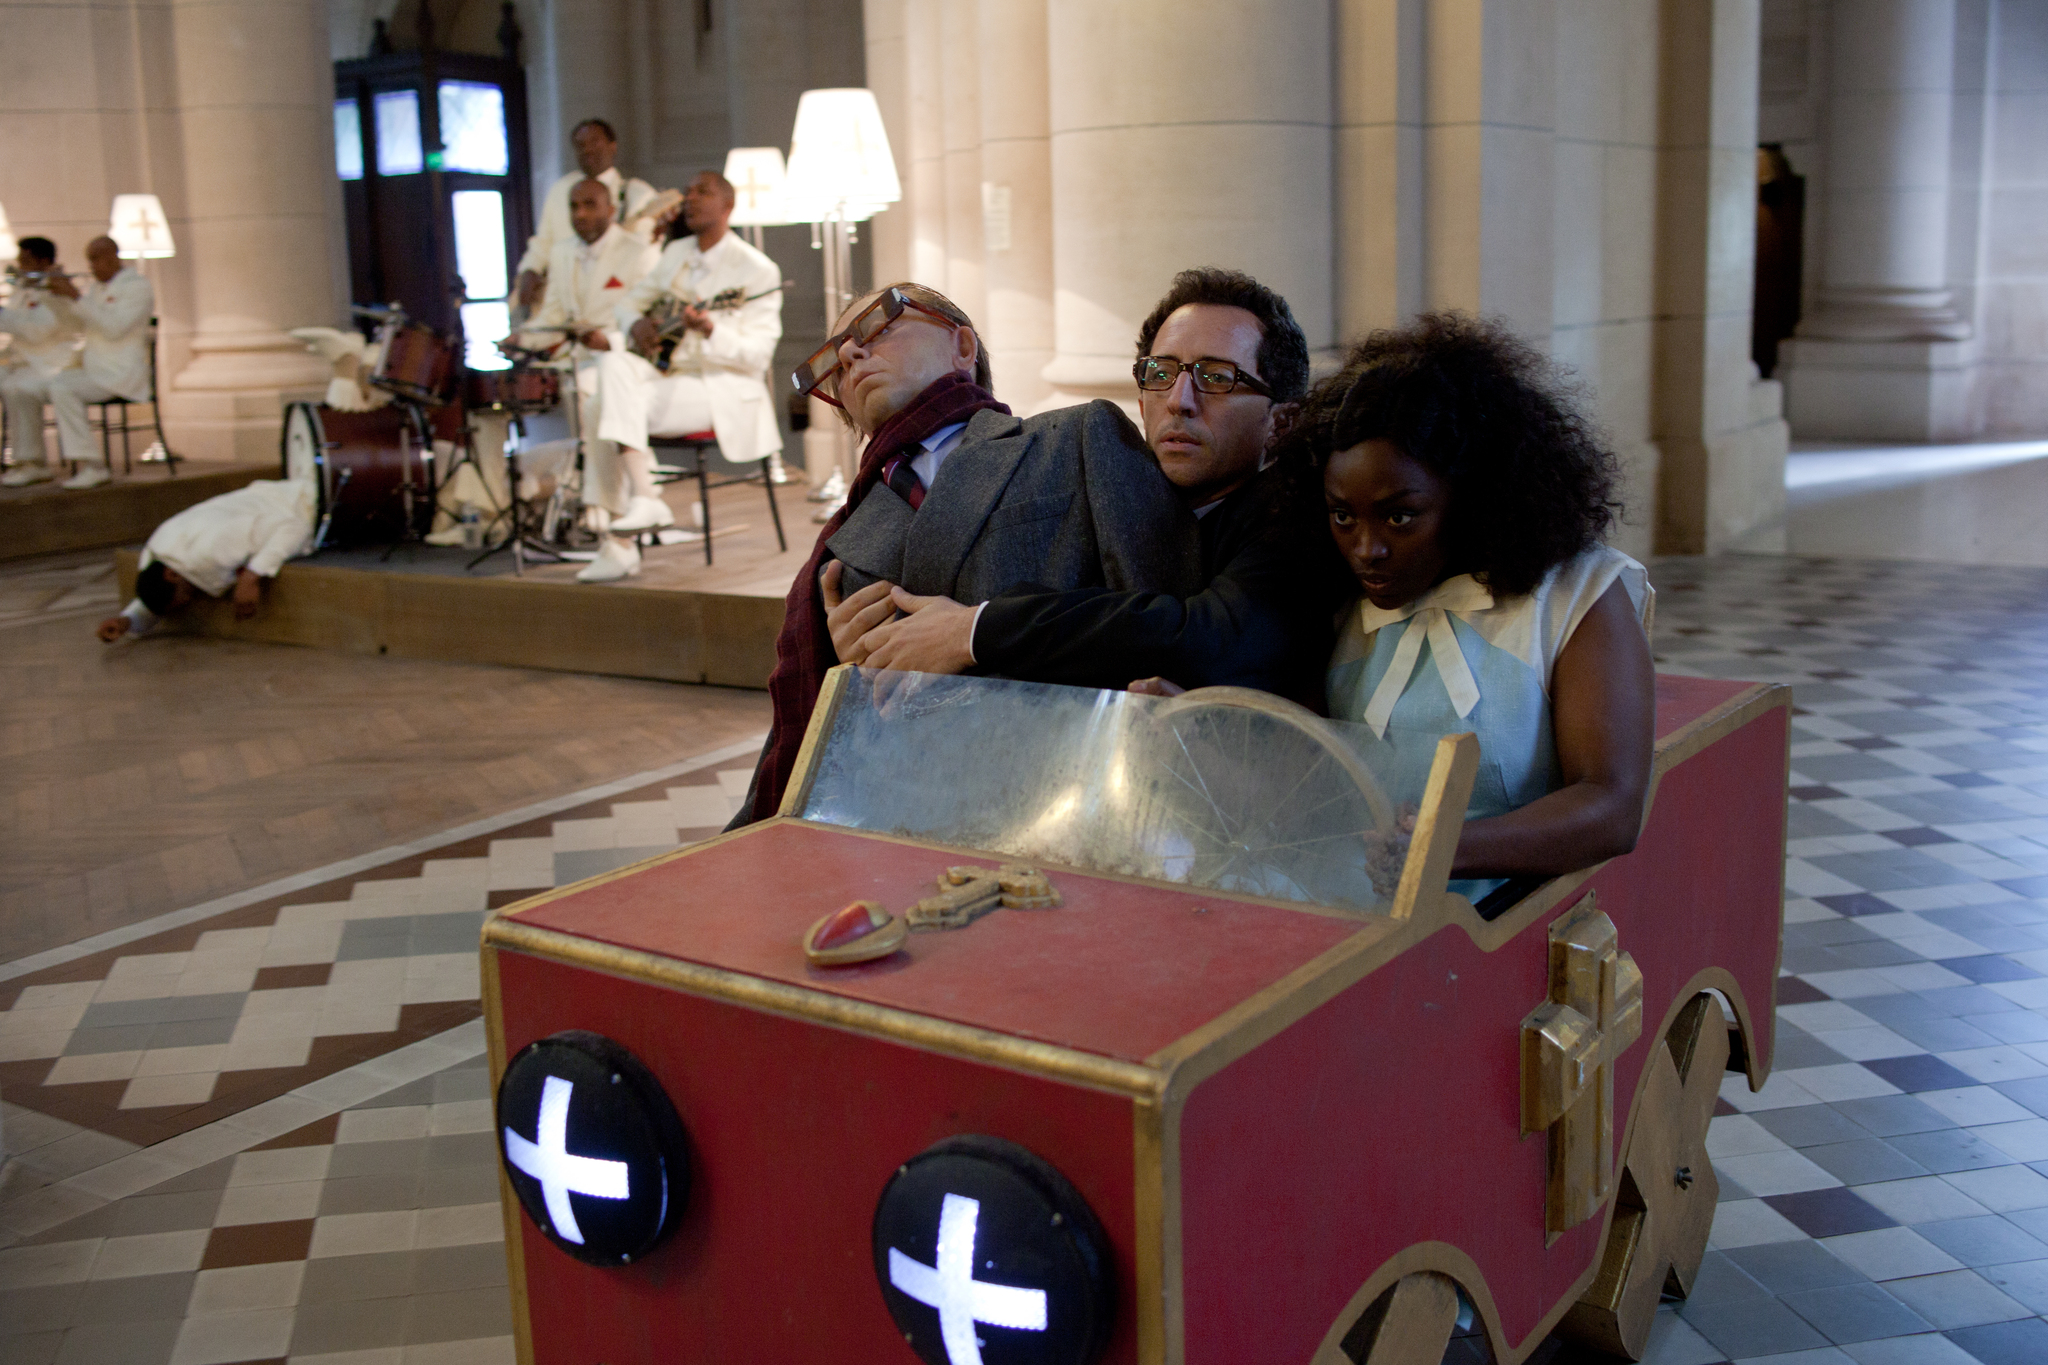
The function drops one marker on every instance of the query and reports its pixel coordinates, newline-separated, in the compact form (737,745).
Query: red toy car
(1258,1087)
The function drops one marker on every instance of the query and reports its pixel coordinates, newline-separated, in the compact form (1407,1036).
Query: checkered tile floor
(1885,1198)
(223,1147)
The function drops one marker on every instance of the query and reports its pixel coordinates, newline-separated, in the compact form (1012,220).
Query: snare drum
(519,391)
(417,362)
(371,484)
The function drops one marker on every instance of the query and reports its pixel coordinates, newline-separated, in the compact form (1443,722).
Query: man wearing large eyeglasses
(1221,367)
(956,498)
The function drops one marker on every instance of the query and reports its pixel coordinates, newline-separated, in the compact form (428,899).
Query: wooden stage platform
(678,621)
(44,519)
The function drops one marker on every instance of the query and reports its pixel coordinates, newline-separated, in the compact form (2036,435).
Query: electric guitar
(667,315)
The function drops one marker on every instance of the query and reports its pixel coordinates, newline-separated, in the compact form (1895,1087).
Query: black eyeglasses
(1157,373)
(869,323)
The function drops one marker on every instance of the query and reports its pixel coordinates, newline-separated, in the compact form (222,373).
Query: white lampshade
(9,248)
(839,162)
(757,177)
(139,228)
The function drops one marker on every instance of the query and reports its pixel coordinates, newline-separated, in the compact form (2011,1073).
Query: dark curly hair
(1283,350)
(1531,481)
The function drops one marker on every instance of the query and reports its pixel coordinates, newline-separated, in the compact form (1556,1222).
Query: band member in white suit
(232,543)
(113,313)
(588,276)
(716,379)
(597,148)
(44,343)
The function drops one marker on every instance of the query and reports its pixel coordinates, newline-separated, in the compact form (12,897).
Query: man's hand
(1155,687)
(595,340)
(697,320)
(60,284)
(935,635)
(644,333)
(113,628)
(531,285)
(851,618)
(248,594)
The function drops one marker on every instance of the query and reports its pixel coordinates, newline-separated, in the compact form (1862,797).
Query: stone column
(1016,170)
(924,188)
(1882,354)
(255,93)
(960,135)
(1189,133)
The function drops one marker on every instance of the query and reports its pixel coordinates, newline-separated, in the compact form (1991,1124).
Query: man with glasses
(956,497)
(1222,366)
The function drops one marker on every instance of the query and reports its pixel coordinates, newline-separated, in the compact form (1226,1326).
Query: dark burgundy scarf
(803,651)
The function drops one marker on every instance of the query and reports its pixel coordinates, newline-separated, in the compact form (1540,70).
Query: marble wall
(1988,374)
(1581,168)
(220,108)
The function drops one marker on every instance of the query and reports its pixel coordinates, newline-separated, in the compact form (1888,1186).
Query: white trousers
(70,391)
(23,391)
(635,399)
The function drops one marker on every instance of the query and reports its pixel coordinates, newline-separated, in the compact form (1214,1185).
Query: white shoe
(445,539)
(776,473)
(22,475)
(88,476)
(828,511)
(643,514)
(832,490)
(618,559)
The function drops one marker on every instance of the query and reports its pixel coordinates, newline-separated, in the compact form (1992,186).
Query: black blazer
(1266,619)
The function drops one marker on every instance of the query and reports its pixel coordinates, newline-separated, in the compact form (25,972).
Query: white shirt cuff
(141,620)
(973,626)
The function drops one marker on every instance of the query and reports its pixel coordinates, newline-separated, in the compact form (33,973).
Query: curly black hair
(1283,349)
(1532,483)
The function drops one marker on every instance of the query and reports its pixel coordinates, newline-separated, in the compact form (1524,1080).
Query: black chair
(109,423)
(698,447)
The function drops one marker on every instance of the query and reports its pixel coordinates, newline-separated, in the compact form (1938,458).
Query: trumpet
(39,279)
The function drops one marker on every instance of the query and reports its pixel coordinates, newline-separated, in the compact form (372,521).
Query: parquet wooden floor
(149,777)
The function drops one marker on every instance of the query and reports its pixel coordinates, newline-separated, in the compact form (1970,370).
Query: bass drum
(370,483)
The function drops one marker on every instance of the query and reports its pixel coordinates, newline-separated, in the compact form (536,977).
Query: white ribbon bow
(1428,616)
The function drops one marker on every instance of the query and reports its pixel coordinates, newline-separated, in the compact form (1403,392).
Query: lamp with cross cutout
(1569,1046)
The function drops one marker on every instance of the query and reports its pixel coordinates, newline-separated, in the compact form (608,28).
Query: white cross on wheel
(951,1287)
(547,1160)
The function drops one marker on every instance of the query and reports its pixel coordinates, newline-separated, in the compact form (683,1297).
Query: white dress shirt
(44,328)
(586,283)
(552,227)
(115,319)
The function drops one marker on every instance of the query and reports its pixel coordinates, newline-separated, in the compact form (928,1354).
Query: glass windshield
(1221,788)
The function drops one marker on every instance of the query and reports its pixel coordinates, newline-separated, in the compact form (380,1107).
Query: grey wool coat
(1071,498)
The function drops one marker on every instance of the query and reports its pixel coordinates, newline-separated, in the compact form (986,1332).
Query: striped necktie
(903,481)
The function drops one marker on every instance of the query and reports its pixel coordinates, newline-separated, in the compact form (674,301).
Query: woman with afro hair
(1469,497)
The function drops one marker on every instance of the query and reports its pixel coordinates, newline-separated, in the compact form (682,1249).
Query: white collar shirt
(114,315)
(44,329)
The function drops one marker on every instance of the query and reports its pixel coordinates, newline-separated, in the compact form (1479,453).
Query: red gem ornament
(861,932)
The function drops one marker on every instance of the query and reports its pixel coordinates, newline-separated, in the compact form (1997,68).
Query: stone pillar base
(1878,390)
(238,426)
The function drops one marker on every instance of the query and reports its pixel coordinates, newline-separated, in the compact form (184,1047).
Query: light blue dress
(1465,662)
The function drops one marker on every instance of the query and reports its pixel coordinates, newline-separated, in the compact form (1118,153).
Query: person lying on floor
(231,544)
(1469,495)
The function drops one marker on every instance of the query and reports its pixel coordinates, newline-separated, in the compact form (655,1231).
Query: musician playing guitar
(713,304)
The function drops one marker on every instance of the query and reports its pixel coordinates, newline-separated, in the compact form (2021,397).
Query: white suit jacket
(115,317)
(552,227)
(257,527)
(587,282)
(44,328)
(733,361)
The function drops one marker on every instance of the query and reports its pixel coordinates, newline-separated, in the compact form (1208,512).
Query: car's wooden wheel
(1664,1207)
(1410,1324)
